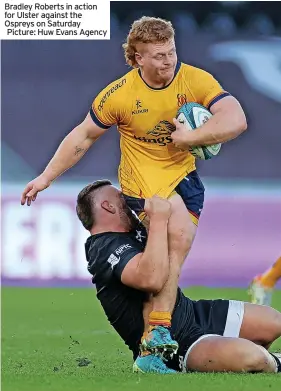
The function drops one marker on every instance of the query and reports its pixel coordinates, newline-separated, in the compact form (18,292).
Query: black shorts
(205,317)
(191,190)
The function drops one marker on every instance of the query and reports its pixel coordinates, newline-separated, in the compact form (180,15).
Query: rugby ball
(193,115)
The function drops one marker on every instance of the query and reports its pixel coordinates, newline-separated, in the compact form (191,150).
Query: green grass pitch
(60,340)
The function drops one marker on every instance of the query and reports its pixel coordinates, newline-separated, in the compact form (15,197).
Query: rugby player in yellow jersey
(154,148)
(262,286)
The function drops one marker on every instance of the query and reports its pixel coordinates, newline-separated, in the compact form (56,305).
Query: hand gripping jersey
(150,163)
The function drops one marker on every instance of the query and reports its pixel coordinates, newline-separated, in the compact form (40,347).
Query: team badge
(181,99)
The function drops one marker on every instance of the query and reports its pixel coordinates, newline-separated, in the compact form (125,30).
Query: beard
(128,218)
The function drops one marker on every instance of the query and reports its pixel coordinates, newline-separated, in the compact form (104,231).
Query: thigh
(261,324)
(211,315)
(191,190)
(181,226)
(181,231)
(212,353)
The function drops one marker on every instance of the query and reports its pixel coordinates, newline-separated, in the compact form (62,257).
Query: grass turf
(59,339)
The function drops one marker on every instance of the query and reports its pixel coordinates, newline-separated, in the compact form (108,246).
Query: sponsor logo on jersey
(181,99)
(109,92)
(162,141)
(139,109)
(161,133)
(122,248)
(161,129)
(113,260)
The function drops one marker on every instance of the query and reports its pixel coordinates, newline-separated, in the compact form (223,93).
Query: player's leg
(212,353)
(147,361)
(262,286)
(261,324)
(158,338)
(181,232)
(187,205)
(186,208)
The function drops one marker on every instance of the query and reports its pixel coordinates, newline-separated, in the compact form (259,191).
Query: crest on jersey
(181,99)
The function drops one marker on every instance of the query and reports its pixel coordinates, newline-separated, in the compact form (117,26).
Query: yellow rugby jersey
(150,163)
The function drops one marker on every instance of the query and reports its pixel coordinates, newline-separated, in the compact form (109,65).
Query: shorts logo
(139,109)
(161,133)
(181,99)
(113,260)
(109,92)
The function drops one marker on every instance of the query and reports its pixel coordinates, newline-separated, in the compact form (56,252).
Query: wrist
(156,219)
(48,175)
(193,139)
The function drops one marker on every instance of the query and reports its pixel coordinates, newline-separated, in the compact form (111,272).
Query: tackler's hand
(157,207)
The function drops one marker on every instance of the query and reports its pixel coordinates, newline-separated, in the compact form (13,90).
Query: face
(158,60)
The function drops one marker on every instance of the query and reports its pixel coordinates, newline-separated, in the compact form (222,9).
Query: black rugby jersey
(107,254)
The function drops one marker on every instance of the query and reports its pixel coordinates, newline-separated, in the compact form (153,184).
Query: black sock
(278,361)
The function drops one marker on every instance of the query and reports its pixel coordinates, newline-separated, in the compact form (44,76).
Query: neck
(153,82)
(114,227)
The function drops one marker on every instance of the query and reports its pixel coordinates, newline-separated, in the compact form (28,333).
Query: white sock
(277,359)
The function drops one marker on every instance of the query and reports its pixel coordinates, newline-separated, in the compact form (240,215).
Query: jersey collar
(162,88)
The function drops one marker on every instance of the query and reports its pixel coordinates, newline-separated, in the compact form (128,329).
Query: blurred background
(47,89)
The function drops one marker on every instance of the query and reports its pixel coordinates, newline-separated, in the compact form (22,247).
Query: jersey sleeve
(105,109)
(122,250)
(206,89)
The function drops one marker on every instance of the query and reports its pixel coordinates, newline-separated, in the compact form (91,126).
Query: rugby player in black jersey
(128,265)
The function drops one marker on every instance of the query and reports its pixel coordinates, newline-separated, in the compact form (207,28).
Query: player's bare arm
(70,151)
(149,270)
(228,122)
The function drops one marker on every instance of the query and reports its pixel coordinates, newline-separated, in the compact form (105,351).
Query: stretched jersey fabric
(150,163)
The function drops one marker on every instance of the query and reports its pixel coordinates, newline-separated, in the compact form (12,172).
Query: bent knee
(276,324)
(256,360)
(181,229)
(181,237)
(272,329)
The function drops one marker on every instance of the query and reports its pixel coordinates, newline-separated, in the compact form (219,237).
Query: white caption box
(55,19)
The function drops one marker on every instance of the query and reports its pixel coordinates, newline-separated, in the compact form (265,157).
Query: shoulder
(110,253)
(116,88)
(192,72)
(100,247)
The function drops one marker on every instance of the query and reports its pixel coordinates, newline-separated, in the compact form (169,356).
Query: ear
(139,59)
(108,207)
